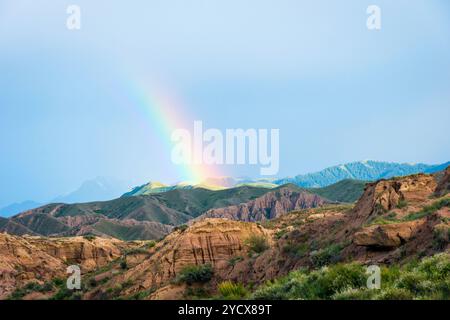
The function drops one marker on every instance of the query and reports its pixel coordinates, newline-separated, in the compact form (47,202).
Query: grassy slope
(344,191)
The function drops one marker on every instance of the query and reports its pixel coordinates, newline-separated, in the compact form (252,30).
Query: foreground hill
(394,223)
(27,259)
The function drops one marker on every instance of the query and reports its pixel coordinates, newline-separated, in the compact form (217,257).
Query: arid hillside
(394,223)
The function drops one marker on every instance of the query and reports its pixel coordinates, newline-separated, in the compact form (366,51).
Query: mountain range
(353,175)
(362,170)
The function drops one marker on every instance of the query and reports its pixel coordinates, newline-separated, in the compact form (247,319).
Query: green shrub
(149,245)
(30,288)
(58,282)
(123,265)
(195,274)
(181,228)
(402,203)
(326,256)
(135,251)
(232,262)
(89,237)
(279,234)
(257,243)
(441,238)
(92,282)
(232,291)
(142,294)
(394,294)
(63,294)
(297,250)
(354,294)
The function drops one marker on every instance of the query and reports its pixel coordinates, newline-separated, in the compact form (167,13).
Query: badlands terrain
(240,243)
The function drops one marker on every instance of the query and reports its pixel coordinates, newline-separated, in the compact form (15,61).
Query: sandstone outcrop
(387,236)
(210,241)
(25,259)
(444,184)
(385,195)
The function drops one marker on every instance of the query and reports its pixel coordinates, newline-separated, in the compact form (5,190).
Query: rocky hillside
(127,218)
(269,206)
(152,216)
(39,260)
(396,221)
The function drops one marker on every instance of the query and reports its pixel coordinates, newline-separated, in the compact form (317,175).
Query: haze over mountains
(103,189)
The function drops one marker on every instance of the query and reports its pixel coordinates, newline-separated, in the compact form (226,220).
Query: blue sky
(337,91)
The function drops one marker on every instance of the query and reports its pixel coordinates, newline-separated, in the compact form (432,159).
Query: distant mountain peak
(366,170)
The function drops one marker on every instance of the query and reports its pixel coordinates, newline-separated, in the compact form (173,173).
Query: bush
(149,245)
(136,251)
(89,237)
(232,291)
(63,294)
(402,203)
(297,250)
(196,274)
(354,294)
(232,262)
(181,228)
(441,238)
(394,294)
(123,265)
(326,256)
(257,243)
(29,288)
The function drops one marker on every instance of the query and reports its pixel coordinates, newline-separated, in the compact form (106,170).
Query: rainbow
(165,112)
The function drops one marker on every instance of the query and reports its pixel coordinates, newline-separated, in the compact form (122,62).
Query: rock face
(387,236)
(211,241)
(269,206)
(25,259)
(444,184)
(385,195)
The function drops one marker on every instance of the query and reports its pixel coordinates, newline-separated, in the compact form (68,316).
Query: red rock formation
(269,206)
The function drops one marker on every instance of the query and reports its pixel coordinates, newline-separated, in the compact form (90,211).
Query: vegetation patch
(232,262)
(326,256)
(89,237)
(257,243)
(195,274)
(297,250)
(428,210)
(427,279)
(232,291)
(30,288)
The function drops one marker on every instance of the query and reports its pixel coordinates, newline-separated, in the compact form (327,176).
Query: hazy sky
(337,91)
